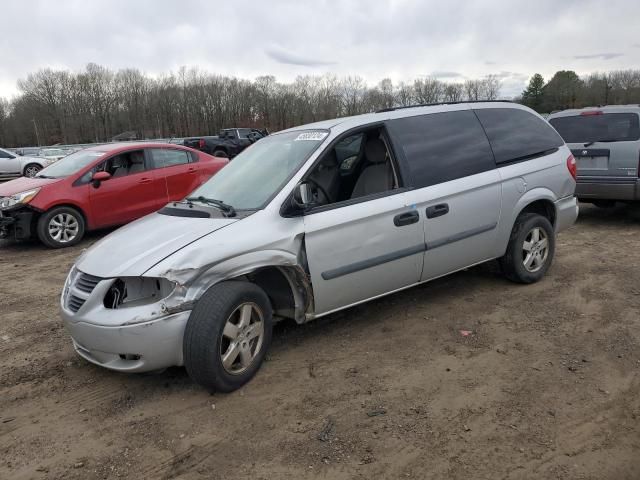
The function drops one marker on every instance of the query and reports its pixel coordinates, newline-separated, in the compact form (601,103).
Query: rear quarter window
(442,146)
(517,134)
(168,157)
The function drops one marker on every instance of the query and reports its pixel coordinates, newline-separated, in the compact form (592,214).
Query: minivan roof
(399,112)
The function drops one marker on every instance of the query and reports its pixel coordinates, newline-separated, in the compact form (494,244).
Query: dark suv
(606,144)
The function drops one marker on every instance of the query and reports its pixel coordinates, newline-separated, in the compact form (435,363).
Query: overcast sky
(400,39)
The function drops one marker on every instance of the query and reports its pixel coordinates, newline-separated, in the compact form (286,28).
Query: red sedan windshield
(70,164)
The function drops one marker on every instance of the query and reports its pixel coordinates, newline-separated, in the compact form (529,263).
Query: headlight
(137,291)
(21,198)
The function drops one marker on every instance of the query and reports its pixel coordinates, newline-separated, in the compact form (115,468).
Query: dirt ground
(547,385)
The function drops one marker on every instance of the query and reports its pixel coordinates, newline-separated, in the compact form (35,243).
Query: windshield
(260,171)
(70,164)
(610,127)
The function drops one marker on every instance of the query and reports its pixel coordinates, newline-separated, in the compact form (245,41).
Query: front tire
(530,250)
(227,336)
(31,170)
(220,154)
(61,227)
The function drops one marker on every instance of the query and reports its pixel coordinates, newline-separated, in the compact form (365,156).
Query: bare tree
(428,90)
(97,103)
(490,89)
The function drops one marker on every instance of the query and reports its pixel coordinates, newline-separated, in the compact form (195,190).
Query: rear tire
(31,170)
(220,154)
(530,250)
(61,227)
(227,336)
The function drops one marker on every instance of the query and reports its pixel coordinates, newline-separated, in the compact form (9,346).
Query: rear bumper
(566,212)
(607,188)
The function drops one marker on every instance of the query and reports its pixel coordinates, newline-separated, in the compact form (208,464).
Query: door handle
(406,218)
(191,170)
(437,210)
(145,180)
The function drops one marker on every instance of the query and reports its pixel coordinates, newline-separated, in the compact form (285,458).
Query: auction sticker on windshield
(314,136)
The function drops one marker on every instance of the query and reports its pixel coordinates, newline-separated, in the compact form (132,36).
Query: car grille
(86,282)
(74,303)
(80,287)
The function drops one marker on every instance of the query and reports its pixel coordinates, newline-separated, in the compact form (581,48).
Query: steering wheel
(320,189)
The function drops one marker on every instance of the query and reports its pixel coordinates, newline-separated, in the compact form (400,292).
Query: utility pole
(35,126)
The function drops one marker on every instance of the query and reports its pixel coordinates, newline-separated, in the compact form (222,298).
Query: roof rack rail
(391,109)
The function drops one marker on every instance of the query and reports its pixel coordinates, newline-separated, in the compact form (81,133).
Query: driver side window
(124,164)
(359,165)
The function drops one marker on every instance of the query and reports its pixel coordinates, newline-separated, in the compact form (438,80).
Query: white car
(54,154)
(13,165)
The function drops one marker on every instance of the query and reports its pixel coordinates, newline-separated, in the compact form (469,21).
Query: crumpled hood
(135,248)
(23,184)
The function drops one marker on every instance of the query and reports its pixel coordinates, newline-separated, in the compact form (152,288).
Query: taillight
(591,112)
(571,165)
(201,143)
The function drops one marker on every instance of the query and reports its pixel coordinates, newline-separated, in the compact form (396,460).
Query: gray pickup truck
(605,142)
(228,143)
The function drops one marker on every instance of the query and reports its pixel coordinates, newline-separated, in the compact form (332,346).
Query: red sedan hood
(23,184)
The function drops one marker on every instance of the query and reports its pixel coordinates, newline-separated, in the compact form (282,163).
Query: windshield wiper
(588,144)
(228,210)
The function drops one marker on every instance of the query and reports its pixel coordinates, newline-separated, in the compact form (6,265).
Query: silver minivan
(605,142)
(316,219)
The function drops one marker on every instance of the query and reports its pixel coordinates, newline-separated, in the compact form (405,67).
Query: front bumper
(130,339)
(133,348)
(16,223)
(566,212)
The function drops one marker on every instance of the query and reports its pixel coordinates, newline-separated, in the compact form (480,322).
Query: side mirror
(100,177)
(303,196)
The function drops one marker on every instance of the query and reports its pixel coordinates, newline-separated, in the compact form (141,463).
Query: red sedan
(100,187)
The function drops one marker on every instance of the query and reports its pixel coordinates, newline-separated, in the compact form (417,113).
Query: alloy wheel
(242,338)
(535,249)
(31,171)
(63,228)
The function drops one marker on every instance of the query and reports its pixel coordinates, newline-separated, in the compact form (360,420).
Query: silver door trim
(461,236)
(372,262)
(405,252)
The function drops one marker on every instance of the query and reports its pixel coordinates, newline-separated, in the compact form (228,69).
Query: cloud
(287,38)
(283,56)
(512,75)
(445,74)
(601,56)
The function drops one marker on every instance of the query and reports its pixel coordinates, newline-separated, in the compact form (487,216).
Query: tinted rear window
(517,134)
(443,146)
(608,127)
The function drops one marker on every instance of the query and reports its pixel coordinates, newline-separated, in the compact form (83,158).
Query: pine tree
(533,95)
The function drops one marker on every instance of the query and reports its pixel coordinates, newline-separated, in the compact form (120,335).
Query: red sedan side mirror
(99,177)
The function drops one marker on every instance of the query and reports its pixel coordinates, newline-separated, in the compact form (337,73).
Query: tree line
(96,104)
(567,90)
